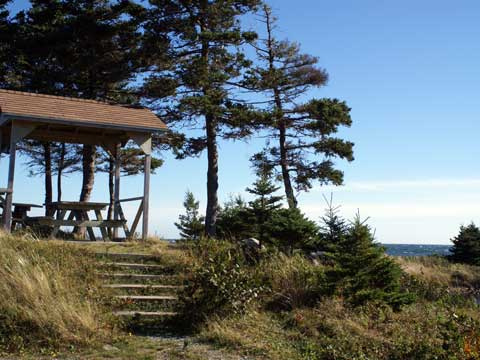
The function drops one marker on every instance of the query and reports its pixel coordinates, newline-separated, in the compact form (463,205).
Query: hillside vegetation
(279,307)
(49,296)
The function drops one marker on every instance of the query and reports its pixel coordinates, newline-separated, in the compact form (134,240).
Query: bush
(466,245)
(49,296)
(293,281)
(220,282)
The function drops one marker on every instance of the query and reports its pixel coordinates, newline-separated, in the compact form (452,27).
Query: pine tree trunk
(212,177)
(88,165)
(292,201)
(47,151)
(282,126)
(61,165)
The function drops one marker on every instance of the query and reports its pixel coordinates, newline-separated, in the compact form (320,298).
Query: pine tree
(191,224)
(291,230)
(207,62)
(466,245)
(304,146)
(263,208)
(363,272)
(6,30)
(80,48)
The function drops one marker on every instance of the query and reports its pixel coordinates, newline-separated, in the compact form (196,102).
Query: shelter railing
(130,232)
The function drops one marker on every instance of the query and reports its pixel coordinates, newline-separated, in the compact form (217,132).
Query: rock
(251,243)
(108,347)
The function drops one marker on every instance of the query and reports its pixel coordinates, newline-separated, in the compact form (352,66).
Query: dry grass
(439,271)
(255,334)
(49,296)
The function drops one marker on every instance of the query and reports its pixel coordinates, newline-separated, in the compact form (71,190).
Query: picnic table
(20,214)
(3,193)
(78,216)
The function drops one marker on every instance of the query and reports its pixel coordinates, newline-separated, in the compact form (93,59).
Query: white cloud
(401,185)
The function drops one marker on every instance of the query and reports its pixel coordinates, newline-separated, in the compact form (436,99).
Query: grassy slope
(56,273)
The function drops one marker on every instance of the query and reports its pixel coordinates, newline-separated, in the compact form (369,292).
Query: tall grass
(49,296)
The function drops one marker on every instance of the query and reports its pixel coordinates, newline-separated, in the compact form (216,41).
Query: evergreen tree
(333,228)
(263,208)
(304,146)
(363,272)
(207,62)
(291,230)
(81,48)
(235,220)
(6,31)
(466,245)
(191,224)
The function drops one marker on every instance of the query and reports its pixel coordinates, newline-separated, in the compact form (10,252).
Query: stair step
(145,313)
(146,297)
(142,286)
(135,276)
(130,256)
(135,266)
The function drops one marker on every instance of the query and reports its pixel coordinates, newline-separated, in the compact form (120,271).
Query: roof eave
(6,117)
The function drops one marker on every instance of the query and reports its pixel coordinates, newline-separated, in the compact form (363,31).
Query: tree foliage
(362,272)
(191,224)
(304,144)
(262,209)
(207,61)
(466,245)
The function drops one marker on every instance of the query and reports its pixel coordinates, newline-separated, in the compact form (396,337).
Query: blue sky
(409,70)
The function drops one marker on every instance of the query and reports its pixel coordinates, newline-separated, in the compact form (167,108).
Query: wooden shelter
(70,120)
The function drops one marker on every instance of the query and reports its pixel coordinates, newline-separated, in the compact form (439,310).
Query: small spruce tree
(191,224)
(333,228)
(363,272)
(466,245)
(263,208)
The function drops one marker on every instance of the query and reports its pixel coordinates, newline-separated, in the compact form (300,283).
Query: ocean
(416,250)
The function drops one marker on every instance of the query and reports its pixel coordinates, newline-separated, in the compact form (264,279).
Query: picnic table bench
(78,217)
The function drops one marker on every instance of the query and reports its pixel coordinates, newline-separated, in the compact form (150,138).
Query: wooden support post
(1,134)
(146,195)
(7,211)
(116,195)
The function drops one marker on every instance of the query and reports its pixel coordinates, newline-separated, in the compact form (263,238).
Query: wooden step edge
(133,265)
(146,297)
(145,313)
(140,276)
(129,255)
(142,286)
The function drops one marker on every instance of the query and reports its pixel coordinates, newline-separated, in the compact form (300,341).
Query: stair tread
(144,313)
(158,276)
(142,286)
(130,255)
(134,265)
(146,297)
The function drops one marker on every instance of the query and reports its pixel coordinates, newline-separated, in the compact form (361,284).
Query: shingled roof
(73,111)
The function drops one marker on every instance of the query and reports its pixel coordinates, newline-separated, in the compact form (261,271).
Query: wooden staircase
(145,293)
